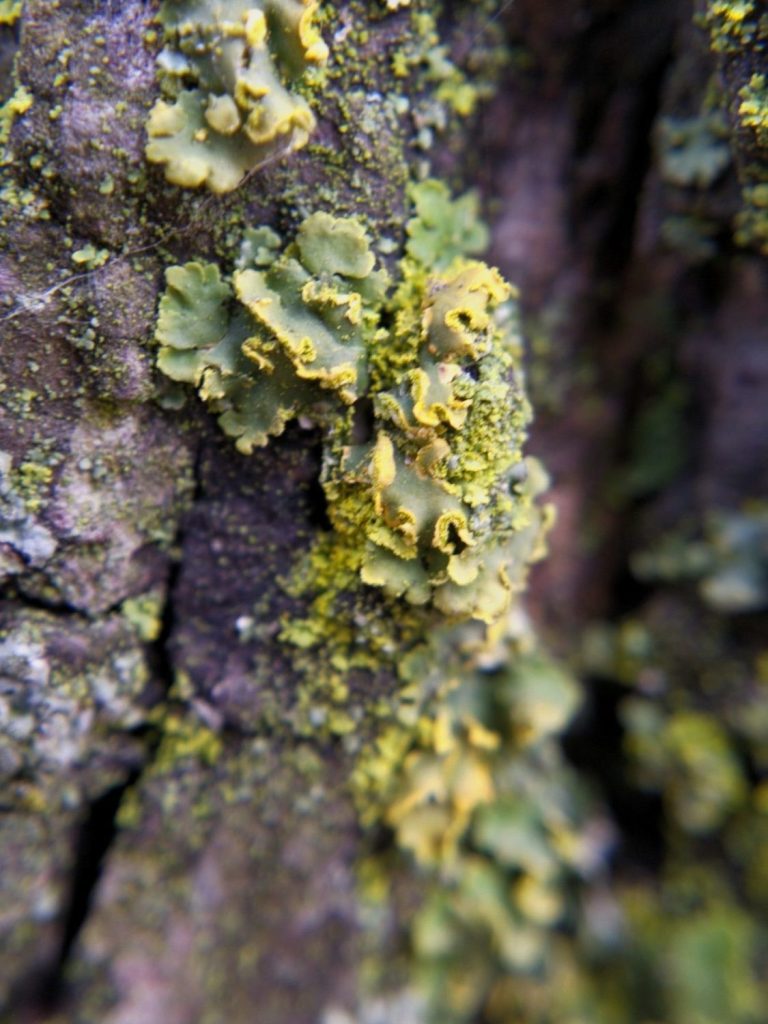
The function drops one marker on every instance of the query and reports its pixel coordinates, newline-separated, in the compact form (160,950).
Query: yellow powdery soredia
(228,68)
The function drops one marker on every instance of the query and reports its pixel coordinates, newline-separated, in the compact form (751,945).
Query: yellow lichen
(229,68)
(429,486)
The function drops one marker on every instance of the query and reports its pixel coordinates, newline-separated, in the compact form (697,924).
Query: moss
(230,69)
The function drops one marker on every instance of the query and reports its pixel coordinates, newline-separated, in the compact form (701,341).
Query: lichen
(470,781)
(726,557)
(738,32)
(734,24)
(10,11)
(434,512)
(229,69)
(424,418)
(753,110)
(694,151)
(18,103)
(24,541)
(281,341)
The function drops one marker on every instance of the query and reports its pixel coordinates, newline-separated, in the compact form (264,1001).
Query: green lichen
(424,418)
(738,31)
(726,557)
(753,111)
(752,220)
(434,516)
(444,229)
(17,104)
(230,69)
(278,342)
(734,24)
(694,151)
(470,781)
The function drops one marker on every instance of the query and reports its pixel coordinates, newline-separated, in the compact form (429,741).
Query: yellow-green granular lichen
(468,777)
(734,24)
(229,69)
(435,515)
(751,226)
(753,111)
(424,418)
(16,105)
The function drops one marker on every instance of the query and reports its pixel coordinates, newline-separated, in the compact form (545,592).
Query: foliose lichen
(417,389)
(229,69)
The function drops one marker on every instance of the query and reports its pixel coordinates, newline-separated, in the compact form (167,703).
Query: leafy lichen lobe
(230,69)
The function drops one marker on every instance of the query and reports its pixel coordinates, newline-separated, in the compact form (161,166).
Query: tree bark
(169,848)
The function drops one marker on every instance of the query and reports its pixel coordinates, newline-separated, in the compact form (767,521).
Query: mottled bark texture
(138,548)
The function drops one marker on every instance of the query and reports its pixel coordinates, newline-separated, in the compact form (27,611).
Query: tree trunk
(176,844)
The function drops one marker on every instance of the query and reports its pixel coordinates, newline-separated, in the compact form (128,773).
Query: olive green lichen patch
(229,69)
(277,342)
(470,781)
(734,24)
(694,150)
(727,558)
(444,229)
(418,391)
(17,104)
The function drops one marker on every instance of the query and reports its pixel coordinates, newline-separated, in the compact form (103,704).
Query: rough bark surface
(141,555)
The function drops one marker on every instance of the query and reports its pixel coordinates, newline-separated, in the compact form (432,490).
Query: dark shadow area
(594,744)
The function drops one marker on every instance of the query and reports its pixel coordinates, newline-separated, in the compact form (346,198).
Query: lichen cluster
(734,24)
(469,778)
(738,33)
(229,69)
(752,221)
(417,390)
